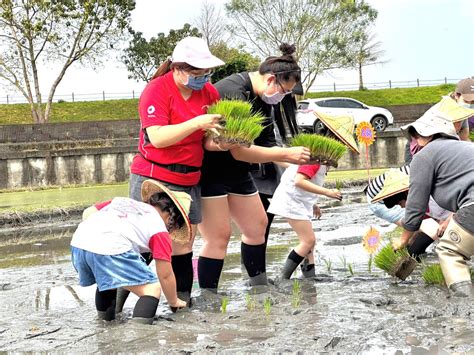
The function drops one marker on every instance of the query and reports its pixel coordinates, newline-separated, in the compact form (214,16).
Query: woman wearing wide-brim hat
(173,121)
(444,169)
(106,249)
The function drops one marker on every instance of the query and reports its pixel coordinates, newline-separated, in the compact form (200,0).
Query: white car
(379,117)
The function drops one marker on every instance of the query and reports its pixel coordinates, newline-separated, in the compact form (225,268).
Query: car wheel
(319,127)
(379,123)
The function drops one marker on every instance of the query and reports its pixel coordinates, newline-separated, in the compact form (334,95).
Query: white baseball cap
(194,51)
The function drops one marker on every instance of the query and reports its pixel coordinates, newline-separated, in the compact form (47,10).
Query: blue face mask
(197,82)
(466,105)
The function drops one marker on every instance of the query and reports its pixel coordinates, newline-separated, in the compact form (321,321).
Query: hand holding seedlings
(208,121)
(298,155)
(334,193)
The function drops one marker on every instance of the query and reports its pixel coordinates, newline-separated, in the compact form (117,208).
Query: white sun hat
(194,51)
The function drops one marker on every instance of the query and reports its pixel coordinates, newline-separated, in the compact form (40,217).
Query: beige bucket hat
(439,119)
(396,181)
(342,127)
(181,199)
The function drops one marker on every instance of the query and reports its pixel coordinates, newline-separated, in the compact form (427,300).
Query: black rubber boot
(308,269)
(291,264)
(122,295)
(105,304)
(145,310)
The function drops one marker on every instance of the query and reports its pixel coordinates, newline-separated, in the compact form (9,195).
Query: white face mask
(273,99)
(466,105)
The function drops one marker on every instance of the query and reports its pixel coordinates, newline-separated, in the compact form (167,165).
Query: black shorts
(241,187)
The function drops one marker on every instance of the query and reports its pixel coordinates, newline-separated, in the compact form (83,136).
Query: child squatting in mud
(106,249)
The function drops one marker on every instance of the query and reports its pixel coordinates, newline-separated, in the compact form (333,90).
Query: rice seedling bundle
(323,150)
(397,263)
(240,125)
(432,275)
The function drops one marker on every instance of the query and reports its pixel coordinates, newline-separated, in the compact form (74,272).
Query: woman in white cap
(444,169)
(464,96)
(227,188)
(106,249)
(173,118)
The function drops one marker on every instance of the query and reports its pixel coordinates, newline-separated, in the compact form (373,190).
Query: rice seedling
(240,125)
(343,261)
(432,275)
(323,150)
(267,305)
(328,263)
(224,303)
(250,302)
(339,184)
(396,263)
(296,294)
(369,264)
(351,270)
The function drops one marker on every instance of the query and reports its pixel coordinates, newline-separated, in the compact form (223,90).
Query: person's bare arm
(304,183)
(258,154)
(165,136)
(167,279)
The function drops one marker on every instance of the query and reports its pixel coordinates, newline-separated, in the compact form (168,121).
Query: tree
(59,32)
(142,57)
(211,23)
(323,31)
(368,52)
(236,60)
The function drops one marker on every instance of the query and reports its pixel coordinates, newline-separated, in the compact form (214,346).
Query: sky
(422,39)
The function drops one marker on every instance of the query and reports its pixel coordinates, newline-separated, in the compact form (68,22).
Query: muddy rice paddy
(42,308)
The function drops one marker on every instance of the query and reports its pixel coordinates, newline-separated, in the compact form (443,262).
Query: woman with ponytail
(228,190)
(173,119)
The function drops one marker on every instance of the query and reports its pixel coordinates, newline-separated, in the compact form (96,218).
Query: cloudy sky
(425,39)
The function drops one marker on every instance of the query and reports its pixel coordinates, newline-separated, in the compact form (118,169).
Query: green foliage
(432,275)
(236,60)
(61,33)
(322,148)
(387,258)
(395,96)
(324,32)
(143,57)
(240,124)
(296,294)
(267,305)
(224,303)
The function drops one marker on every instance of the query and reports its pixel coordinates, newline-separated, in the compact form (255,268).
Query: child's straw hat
(342,127)
(182,201)
(395,182)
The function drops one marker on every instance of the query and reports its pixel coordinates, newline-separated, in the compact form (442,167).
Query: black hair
(162,201)
(285,68)
(167,65)
(391,201)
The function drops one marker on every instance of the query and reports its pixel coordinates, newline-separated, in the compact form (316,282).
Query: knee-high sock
(209,272)
(105,304)
(183,271)
(254,261)
(291,264)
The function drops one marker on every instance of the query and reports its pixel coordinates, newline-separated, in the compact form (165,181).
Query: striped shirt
(377,183)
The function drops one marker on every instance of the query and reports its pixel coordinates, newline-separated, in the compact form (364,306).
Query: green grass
(347,175)
(432,275)
(388,97)
(74,111)
(128,108)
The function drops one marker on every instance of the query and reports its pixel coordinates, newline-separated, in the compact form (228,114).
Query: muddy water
(42,308)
